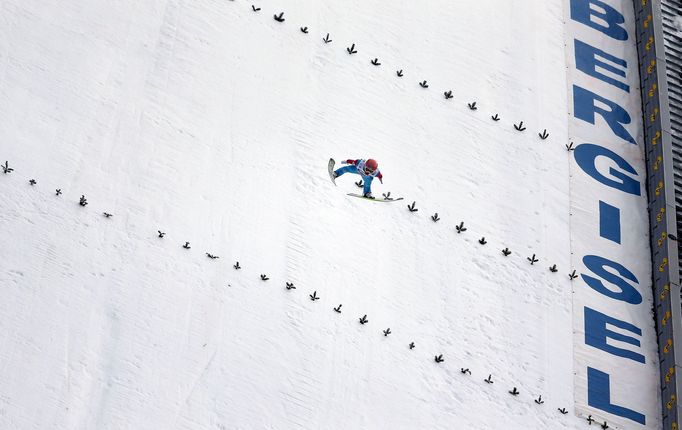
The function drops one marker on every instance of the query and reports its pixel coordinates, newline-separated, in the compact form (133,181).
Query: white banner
(615,355)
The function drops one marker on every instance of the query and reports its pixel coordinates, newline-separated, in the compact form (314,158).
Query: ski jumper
(358,167)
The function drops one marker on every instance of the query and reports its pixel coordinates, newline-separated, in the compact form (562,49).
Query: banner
(615,353)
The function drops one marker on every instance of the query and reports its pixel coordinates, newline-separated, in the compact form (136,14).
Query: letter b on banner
(600,16)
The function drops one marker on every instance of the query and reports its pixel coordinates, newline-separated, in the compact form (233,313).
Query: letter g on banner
(586,155)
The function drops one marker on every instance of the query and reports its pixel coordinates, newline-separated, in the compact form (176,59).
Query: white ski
(330,167)
(390,199)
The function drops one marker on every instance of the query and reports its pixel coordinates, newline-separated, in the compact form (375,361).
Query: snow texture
(213,123)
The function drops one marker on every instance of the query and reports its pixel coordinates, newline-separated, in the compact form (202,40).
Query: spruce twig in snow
(464,371)
(313,296)
(338,308)
(399,73)
(495,117)
(544,135)
(186,245)
(6,169)
(327,39)
(519,127)
(460,228)
(412,208)
(570,147)
(237,266)
(161,234)
(423,84)
(435,217)
(539,400)
(411,345)
(364,319)
(264,277)
(472,106)
(32,182)
(506,252)
(359,183)
(514,392)
(448,95)
(279,18)
(563,411)
(572,275)
(439,358)
(553,268)
(375,62)
(387,331)
(304,30)
(605,425)
(532,259)
(255,9)
(83,201)
(351,50)
(107,214)
(290,286)
(211,256)
(482,241)
(489,380)
(58,192)
(590,419)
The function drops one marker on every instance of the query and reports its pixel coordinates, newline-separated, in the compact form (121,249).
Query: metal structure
(659,46)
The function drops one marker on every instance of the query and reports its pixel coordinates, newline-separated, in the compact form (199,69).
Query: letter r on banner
(584,108)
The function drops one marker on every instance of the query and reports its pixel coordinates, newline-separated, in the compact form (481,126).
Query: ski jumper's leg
(368,184)
(346,169)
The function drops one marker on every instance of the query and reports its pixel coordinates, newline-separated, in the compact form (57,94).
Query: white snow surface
(214,123)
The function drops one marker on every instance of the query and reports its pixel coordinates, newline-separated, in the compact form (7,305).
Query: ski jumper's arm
(381,177)
(351,161)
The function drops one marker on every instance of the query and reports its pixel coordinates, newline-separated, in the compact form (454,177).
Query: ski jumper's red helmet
(371,166)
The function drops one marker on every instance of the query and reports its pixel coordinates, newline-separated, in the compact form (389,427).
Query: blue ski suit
(358,167)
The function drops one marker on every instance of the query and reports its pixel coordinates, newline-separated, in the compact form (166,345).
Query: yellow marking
(650,69)
(652,90)
(662,266)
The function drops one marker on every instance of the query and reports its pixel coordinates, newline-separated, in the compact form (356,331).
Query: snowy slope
(213,123)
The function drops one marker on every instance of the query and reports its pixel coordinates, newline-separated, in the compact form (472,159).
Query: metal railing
(659,46)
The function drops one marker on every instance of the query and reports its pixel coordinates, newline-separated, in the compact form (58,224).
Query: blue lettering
(627,292)
(599,397)
(584,108)
(586,156)
(586,60)
(609,222)
(596,334)
(583,11)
